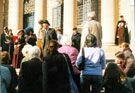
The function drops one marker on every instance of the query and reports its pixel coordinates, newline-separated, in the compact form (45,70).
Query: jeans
(93,81)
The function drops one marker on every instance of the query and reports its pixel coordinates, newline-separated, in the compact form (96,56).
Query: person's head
(46,24)
(29,30)
(34,52)
(41,22)
(66,40)
(5,57)
(120,57)
(52,47)
(75,30)
(90,41)
(124,45)
(25,50)
(58,31)
(5,29)
(10,32)
(121,17)
(114,74)
(20,33)
(91,15)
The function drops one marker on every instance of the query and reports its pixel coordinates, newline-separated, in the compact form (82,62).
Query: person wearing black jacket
(76,38)
(121,32)
(30,37)
(30,77)
(55,71)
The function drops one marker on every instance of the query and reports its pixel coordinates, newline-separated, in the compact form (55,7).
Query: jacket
(94,61)
(92,27)
(31,77)
(55,74)
(72,53)
(47,36)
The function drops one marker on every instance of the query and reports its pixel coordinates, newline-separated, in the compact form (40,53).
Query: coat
(17,55)
(30,80)
(31,39)
(7,46)
(55,74)
(92,27)
(130,67)
(47,36)
(128,53)
(121,33)
(76,41)
(72,53)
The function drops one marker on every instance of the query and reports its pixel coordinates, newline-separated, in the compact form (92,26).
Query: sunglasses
(52,46)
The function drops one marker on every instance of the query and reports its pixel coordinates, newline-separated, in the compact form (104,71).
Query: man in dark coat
(30,80)
(121,32)
(76,38)
(48,34)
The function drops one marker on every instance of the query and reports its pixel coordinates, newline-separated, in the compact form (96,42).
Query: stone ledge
(110,51)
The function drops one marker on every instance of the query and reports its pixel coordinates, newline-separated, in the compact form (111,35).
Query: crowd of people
(50,62)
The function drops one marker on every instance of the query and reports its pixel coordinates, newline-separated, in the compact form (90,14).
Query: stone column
(132,45)
(40,13)
(108,21)
(1,16)
(109,18)
(70,16)
(15,15)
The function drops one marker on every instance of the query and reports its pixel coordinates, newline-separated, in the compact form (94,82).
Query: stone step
(110,51)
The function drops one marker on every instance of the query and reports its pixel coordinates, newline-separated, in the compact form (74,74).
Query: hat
(28,28)
(20,31)
(75,28)
(46,22)
(40,21)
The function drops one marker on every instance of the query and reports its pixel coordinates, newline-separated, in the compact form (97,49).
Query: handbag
(73,86)
(81,65)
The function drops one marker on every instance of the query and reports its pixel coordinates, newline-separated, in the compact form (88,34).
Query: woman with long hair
(116,81)
(72,52)
(55,70)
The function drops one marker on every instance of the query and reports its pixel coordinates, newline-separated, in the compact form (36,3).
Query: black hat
(75,28)
(46,22)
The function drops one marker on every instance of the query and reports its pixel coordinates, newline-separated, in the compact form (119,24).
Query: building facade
(66,14)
